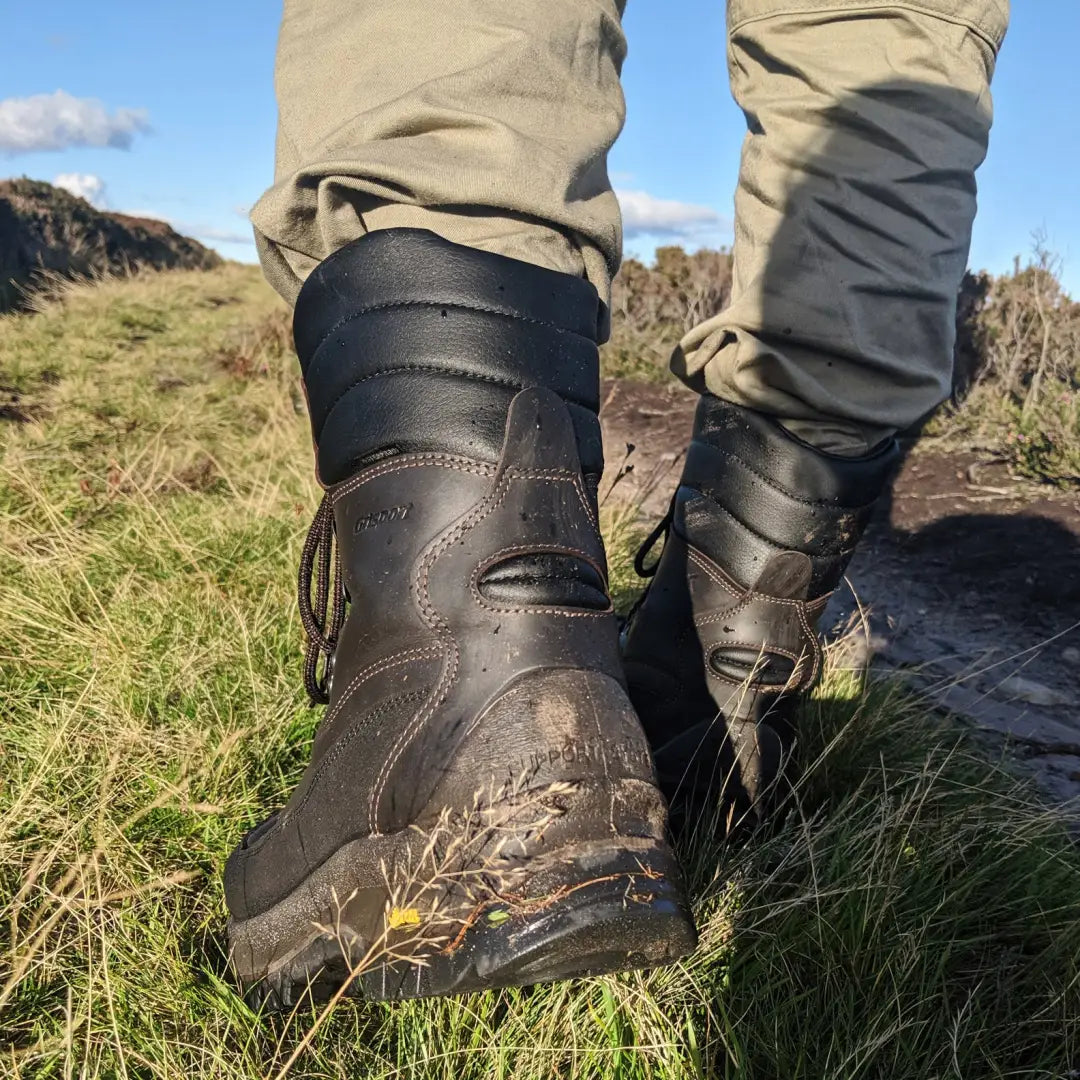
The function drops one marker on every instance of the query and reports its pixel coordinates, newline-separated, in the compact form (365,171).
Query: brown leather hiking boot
(724,642)
(480,808)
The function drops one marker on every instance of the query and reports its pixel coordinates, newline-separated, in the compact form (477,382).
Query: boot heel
(511,894)
(602,914)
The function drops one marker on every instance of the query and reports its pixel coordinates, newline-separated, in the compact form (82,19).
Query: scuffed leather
(453,398)
(440,694)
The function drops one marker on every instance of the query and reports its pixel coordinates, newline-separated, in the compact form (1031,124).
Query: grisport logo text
(381,517)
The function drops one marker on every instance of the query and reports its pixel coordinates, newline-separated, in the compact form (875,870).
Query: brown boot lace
(321,560)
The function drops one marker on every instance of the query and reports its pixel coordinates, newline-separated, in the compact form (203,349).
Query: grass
(917,916)
(1017,392)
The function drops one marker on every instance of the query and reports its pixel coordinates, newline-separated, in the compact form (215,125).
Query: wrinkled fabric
(853,212)
(489,123)
(485,121)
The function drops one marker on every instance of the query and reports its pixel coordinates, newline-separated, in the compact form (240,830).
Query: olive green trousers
(489,122)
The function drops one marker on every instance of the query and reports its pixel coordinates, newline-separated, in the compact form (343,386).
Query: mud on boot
(480,808)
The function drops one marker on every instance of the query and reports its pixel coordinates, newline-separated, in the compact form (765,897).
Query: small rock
(1034,693)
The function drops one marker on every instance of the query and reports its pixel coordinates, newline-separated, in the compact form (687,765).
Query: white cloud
(86,185)
(644,214)
(212,234)
(221,236)
(59,120)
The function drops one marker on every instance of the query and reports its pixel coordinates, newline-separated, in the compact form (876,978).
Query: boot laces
(662,529)
(323,612)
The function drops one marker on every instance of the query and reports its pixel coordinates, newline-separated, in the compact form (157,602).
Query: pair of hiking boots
(487,798)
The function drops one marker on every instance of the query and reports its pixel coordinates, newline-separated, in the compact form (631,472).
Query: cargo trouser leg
(483,121)
(856,194)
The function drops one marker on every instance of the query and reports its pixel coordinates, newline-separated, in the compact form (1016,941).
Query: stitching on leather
(586,504)
(547,549)
(411,461)
(742,524)
(842,553)
(717,576)
(752,688)
(431,617)
(810,636)
(815,646)
(352,733)
(486,506)
(480,308)
(774,485)
(347,737)
(385,664)
(747,597)
(762,647)
(541,474)
(712,572)
(522,549)
(792,683)
(494,380)
(801,607)
(599,612)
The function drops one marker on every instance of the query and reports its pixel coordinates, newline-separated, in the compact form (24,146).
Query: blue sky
(185,91)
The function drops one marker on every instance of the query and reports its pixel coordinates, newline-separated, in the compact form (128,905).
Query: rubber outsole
(587,909)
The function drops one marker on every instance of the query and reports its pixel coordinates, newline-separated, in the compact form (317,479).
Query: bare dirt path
(970,581)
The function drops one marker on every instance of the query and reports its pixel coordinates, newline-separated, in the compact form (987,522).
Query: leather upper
(453,398)
(411,343)
(439,693)
(751,490)
(762,527)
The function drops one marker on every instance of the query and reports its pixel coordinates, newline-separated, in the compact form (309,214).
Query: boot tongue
(786,576)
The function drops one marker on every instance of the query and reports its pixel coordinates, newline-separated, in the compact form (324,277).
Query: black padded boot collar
(783,460)
(409,343)
(751,490)
(395,267)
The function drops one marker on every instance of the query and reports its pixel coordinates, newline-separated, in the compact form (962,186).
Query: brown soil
(974,526)
(970,578)
(965,521)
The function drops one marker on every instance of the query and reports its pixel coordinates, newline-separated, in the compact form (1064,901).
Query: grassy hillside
(917,916)
(46,232)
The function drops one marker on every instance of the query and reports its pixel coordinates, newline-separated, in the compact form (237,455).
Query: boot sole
(586,908)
